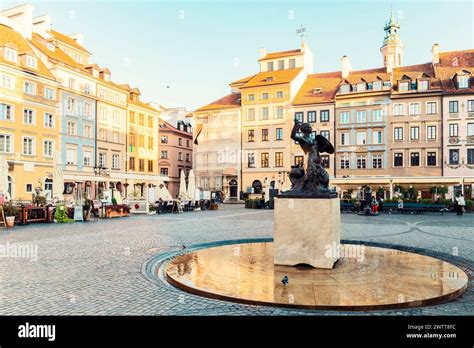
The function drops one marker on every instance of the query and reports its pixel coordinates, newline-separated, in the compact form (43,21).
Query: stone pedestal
(307,231)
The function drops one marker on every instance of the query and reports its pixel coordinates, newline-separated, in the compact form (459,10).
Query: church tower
(392,48)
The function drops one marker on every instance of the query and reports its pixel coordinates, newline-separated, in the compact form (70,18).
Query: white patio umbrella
(191,192)
(58,179)
(182,185)
(163,193)
(4,177)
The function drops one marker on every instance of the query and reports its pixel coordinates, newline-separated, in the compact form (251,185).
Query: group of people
(371,205)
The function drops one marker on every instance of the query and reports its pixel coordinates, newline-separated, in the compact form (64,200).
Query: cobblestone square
(100,268)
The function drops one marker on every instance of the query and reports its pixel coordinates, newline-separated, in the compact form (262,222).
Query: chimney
(42,25)
(105,74)
(78,37)
(346,67)
(435,53)
(20,19)
(263,52)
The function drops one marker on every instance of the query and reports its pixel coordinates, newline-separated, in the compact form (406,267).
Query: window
(345,89)
(377,115)
(299,116)
(361,138)
(398,159)
(11,55)
(87,109)
(251,160)
(279,94)
(325,161)
(141,140)
(270,66)
(102,160)
(423,85)
(415,159)
(164,154)
(431,108)
(131,163)
(32,62)
(115,161)
(251,115)
(403,86)
(292,63)
(453,130)
(414,109)
(180,141)
(250,135)
(49,93)
(87,89)
(164,139)
(431,132)
(131,117)
(5,143)
(431,159)
(279,112)
(377,161)
(29,88)
(398,133)
(71,156)
(87,158)
(141,119)
(6,112)
(470,129)
(470,105)
(150,122)
(150,166)
(71,83)
(102,114)
(180,156)
(115,137)
(278,159)
(141,165)
(7,82)
(377,137)
(187,143)
(311,116)
(150,143)
(470,156)
(188,157)
(251,97)
(103,134)
(115,117)
(398,109)
(48,147)
(264,96)
(281,64)
(453,106)
(361,87)
(299,160)
(361,116)
(377,85)
(454,157)
(414,133)
(264,134)
(71,106)
(164,171)
(28,146)
(344,117)
(264,160)
(28,116)
(48,120)
(325,133)
(324,116)
(344,138)
(345,163)
(29,188)
(264,115)
(463,81)
(361,162)
(279,134)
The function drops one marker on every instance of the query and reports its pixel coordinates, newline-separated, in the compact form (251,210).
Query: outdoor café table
(36,214)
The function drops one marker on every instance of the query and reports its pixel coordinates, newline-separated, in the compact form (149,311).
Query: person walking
(461,203)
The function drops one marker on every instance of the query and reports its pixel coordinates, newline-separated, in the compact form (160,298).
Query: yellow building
(29,121)
(267,117)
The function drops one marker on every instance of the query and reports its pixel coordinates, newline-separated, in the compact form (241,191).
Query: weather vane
(301,32)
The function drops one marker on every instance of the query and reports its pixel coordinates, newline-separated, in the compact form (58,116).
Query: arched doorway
(257,186)
(233,188)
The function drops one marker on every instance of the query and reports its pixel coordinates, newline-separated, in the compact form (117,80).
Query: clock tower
(392,48)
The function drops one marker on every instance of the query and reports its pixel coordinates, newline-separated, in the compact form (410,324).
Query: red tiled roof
(328,84)
(229,101)
(274,77)
(281,54)
(369,75)
(414,72)
(464,58)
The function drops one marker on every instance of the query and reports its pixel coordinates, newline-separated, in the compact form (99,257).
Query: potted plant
(9,210)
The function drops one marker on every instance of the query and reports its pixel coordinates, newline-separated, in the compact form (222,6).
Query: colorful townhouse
(29,100)
(77,93)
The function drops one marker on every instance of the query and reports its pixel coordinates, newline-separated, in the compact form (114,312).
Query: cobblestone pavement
(100,268)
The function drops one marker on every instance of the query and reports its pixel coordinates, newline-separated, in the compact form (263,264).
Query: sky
(185,53)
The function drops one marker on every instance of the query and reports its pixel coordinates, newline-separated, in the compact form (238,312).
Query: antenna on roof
(301,32)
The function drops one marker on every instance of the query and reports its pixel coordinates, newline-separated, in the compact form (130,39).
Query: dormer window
(377,85)
(11,55)
(270,66)
(51,47)
(317,90)
(107,77)
(463,81)
(404,86)
(95,73)
(345,89)
(32,62)
(361,87)
(292,63)
(269,79)
(422,85)
(77,58)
